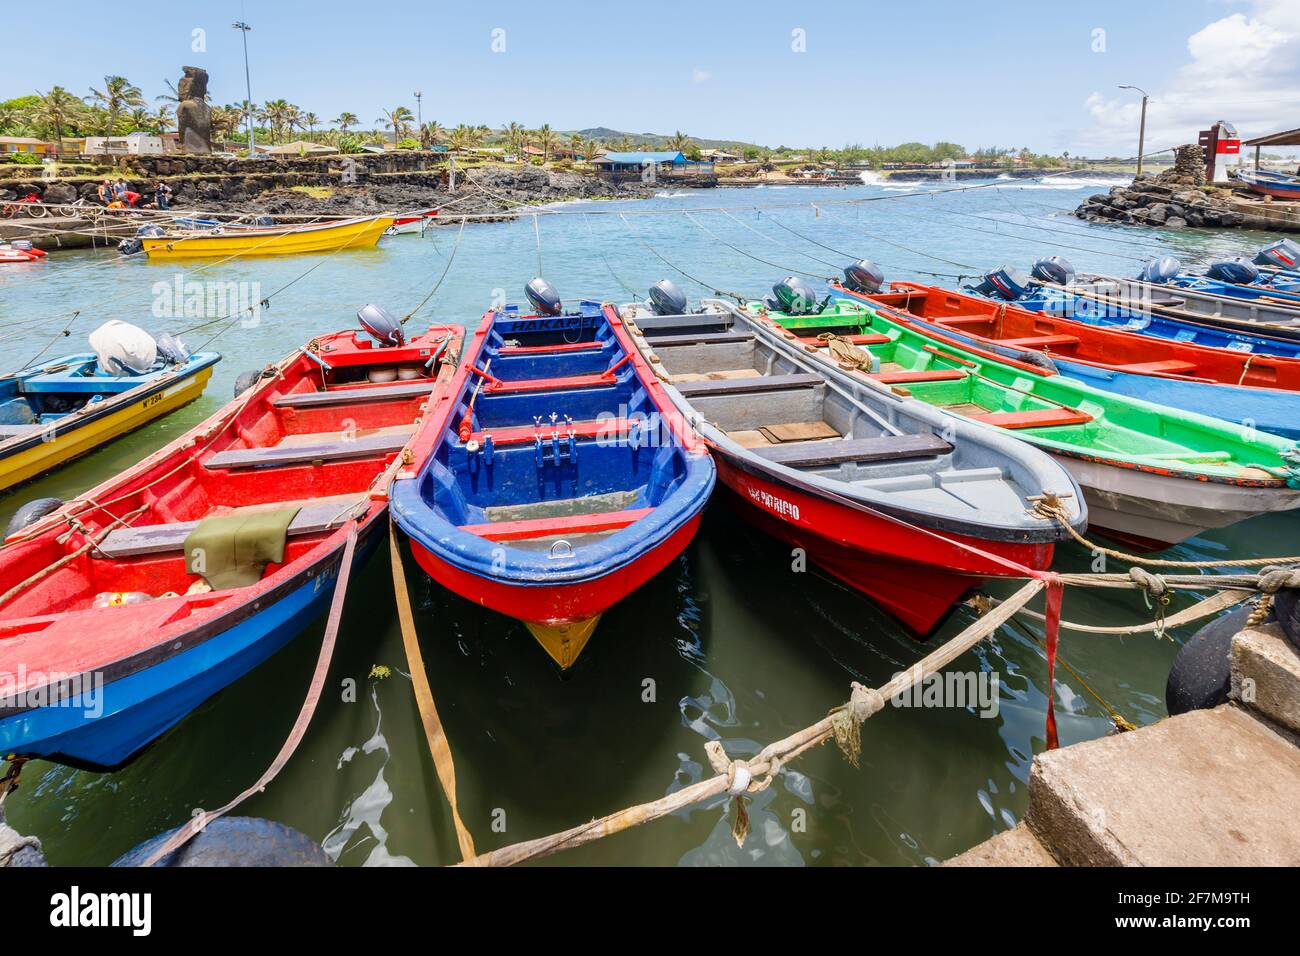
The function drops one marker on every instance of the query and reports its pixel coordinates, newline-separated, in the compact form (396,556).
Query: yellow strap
(433,731)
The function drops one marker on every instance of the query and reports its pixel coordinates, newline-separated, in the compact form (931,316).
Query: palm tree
(9,117)
(293,119)
(225,121)
(679,141)
(398,119)
(163,118)
(461,138)
(311,121)
(577,143)
(141,119)
(516,137)
(118,95)
(625,144)
(430,133)
(54,110)
(589,149)
(346,120)
(545,137)
(276,113)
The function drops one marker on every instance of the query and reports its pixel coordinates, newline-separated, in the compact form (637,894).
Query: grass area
(315,192)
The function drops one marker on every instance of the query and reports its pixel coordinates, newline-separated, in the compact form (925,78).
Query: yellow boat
(65,408)
(268,240)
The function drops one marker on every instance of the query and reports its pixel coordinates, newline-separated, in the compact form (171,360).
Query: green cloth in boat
(232,551)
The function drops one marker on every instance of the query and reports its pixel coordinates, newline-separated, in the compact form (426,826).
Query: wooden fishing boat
(1265,183)
(263,241)
(909,506)
(66,407)
(129,606)
(1152,476)
(1132,317)
(1258,390)
(556,479)
(411,225)
(1280,319)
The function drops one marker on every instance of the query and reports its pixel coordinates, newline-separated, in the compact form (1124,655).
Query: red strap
(1053,612)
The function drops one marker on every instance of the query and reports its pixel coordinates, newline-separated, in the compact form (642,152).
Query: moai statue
(193,114)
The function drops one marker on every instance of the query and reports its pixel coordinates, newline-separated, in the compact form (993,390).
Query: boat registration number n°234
(786,509)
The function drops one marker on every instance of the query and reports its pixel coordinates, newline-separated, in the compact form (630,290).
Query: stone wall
(1176,198)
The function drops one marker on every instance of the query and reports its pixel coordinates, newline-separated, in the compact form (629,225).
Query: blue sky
(1012,73)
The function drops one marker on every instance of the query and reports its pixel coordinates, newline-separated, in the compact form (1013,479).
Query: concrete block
(1207,788)
(1015,847)
(1266,674)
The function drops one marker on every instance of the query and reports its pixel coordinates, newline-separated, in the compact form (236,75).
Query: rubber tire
(235,841)
(246,381)
(1286,608)
(33,511)
(1201,675)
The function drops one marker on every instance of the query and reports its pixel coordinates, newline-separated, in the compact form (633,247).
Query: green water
(726,643)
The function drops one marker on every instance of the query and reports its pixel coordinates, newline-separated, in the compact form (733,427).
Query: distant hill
(607,135)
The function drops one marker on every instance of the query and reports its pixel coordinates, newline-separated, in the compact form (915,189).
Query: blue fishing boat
(53,412)
(557,477)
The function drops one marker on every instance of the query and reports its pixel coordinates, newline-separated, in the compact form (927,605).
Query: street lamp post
(243,29)
(1142,125)
(419,110)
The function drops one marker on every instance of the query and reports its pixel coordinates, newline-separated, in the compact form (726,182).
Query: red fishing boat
(1262,391)
(124,609)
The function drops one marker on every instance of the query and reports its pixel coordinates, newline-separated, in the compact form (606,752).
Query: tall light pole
(1142,126)
(243,29)
(419,110)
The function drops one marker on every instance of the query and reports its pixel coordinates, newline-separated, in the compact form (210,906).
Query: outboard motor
(129,247)
(123,349)
(667,299)
(23,245)
(543,297)
(1054,269)
(795,297)
(380,323)
(1160,270)
(1283,254)
(172,350)
(864,276)
(1238,270)
(1005,283)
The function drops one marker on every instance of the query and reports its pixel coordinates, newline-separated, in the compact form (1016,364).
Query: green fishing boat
(1152,476)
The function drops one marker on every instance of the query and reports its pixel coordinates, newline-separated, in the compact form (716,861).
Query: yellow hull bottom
(564,642)
(325,240)
(48,455)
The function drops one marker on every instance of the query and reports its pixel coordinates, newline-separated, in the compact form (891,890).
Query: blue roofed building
(635,163)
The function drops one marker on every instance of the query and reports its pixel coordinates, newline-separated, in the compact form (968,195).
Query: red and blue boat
(1268,183)
(1262,390)
(114,624)
(556,477)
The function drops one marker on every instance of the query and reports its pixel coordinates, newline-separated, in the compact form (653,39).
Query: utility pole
(419,111)
(1142,126)
(243,29)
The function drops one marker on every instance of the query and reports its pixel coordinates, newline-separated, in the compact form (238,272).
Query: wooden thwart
(760,383)
(332,447)
(351,396)
(885,448)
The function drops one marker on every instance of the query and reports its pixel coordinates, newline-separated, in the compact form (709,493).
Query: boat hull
(21,461)
(137,709)
(1156,511)
(565,607)
(327,238)
(915,574)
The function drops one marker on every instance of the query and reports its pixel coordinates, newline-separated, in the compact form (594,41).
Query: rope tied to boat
(1290,470)
(740,780)
(1155,588)
(848,718)
(1271,580)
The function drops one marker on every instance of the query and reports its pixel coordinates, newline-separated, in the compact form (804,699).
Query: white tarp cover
(123,348)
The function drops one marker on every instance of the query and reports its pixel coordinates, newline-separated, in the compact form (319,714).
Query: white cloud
(1243,68)
(700,76)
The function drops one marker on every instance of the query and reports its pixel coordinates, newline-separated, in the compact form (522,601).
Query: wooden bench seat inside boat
(1040,341)
(320,514)
(759,383)
(962,320)
(720,375)
(560,347)
(666,324)
(350,396)
(594,380)
(700,338)
(885,448)
(1036,418)
(905,376)
(1169,367)
(866,338)
(323,446)
(590,523)
(524,434)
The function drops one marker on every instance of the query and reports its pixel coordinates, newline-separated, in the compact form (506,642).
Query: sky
(836,72)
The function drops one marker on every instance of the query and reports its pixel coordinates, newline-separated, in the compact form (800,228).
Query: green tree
(398,119)
(118,95)
(346,121)
(55,111)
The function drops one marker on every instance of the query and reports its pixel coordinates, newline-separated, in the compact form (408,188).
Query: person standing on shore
(162,196)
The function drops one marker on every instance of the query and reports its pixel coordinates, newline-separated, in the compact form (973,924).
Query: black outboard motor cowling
(1238,270)
(1005,283)
(129,247)
(1160,270)
(795,296)
(543,297)
(380,323)
(864,276)
(1055,269)
(1283,254)
(667,299)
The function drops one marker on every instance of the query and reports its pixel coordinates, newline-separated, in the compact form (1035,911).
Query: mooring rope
(766,262)
(654,252)
(437,285)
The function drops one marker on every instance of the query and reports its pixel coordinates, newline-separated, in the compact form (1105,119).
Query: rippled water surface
(731,644)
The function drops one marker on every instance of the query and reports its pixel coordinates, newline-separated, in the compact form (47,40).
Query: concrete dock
(1207,788)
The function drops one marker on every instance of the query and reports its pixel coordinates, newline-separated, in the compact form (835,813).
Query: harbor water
(731,642)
